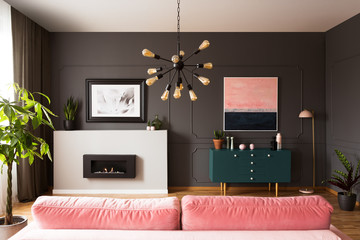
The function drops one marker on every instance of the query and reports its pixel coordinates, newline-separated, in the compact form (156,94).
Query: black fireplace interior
(109,166)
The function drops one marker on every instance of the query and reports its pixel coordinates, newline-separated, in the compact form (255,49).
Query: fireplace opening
(109,166)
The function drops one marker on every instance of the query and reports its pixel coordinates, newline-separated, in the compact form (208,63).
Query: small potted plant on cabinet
(345,181)
(70,109)
(218,138)
(18,119)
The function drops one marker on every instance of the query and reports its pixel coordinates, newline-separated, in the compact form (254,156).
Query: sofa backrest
(255,213)
(106,213)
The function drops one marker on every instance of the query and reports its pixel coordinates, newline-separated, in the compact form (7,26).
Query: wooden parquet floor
(347,222)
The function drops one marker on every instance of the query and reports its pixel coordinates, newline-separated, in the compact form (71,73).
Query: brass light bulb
(193,96)
(148,53)
(208,65)
(205,44)
(175,59)
(179,84)
(165,95)
(151,71)
(177,93)
(151,81)
(202,79)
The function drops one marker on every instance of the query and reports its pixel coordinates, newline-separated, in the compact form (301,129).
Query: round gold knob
(251,170)
(268,155)
(252,163)
(252,155)
(251,178)
(235,155)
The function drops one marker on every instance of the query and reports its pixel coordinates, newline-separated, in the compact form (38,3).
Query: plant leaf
(44,96)
(35,122)
(7,111)
(343,159)
(2,158)
(31,158)
(44,148)
(357,173)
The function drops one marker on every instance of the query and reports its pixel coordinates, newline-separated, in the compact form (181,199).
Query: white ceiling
(196,15)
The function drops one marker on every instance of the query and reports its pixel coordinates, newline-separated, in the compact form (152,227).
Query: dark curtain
(32,71)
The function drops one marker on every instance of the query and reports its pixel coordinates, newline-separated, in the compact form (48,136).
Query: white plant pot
(6,231)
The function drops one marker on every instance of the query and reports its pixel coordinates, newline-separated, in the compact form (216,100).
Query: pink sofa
(202,217)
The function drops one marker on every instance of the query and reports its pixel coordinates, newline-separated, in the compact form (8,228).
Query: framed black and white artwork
(115,100)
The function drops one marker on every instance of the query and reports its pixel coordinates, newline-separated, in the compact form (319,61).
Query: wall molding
(332,67)
(192,165)
(301,77)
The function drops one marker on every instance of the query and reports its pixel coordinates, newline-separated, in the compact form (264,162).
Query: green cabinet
(258,165)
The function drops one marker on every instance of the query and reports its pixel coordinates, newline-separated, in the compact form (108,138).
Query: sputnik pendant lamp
(178,66)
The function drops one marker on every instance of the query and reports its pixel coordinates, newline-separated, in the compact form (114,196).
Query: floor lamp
(307,114)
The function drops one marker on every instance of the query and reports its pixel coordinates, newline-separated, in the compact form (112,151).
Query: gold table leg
(224,188)
(276,189)
(269,187)
(221,187)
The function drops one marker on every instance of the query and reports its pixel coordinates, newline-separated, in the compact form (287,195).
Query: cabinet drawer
(252,170)
(248,178)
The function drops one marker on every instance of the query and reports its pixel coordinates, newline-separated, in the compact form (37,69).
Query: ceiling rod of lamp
(307,114)
(178,65)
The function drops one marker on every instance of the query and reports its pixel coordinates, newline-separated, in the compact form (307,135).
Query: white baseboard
(109,191)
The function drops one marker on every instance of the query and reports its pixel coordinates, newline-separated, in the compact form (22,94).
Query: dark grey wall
(342,92)
(296,58)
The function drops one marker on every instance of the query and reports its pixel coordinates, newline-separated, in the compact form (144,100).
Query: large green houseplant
(18,119)
(346,181)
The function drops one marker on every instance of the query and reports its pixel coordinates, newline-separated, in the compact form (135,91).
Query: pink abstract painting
(250,103)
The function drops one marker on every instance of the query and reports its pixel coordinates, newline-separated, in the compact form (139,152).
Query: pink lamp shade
(305,114)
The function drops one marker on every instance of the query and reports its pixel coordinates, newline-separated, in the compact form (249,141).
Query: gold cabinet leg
(224,188)
(276,189)
(269,187)
(221,187)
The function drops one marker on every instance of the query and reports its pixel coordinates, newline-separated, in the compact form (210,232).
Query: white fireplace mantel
(150,148)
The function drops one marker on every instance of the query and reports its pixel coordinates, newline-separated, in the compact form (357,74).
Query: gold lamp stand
(307,114)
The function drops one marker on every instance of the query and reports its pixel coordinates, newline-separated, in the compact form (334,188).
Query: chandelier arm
(192,71)
(185,77)
(165,59)
(188,69)
(189,57)
(172,79)
(168,70)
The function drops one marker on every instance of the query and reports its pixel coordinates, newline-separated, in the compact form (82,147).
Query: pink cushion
(255,213)
(106,213)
